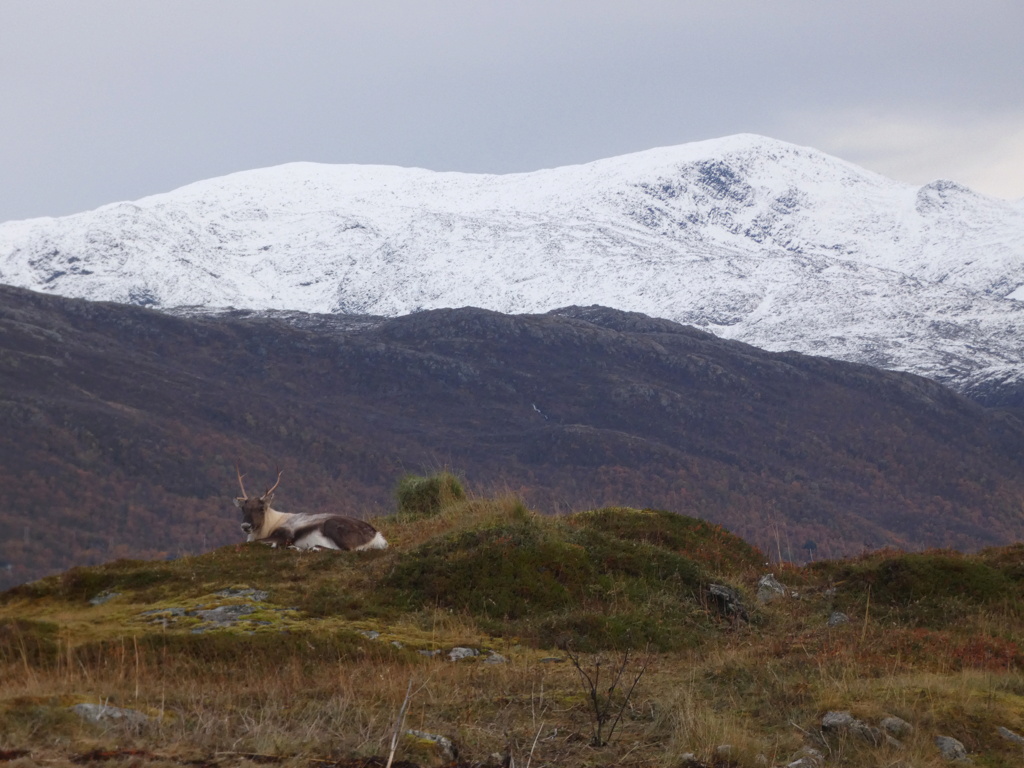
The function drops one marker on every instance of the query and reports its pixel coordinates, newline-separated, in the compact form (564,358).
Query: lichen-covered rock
(807,758)
(837,618)
(728,601)
(431,748)
(225,614)
(1009,735)
(896,726)
(950,748)
(458,653)
(769,588)
(844,722)
(837,721)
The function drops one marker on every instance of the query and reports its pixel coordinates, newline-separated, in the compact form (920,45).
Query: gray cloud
(112,100)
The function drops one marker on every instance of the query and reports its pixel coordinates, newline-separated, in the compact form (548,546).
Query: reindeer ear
(238,502)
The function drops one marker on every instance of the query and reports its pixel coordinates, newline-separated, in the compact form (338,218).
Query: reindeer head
(254,510)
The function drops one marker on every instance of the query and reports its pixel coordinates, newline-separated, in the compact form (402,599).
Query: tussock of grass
(425,496)
(933,638)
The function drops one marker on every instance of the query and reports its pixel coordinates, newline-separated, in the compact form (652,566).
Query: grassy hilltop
(248,655)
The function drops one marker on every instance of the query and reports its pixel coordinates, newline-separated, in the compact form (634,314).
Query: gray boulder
(896,727)
(844,722)
(1009,735)
(440,747)
(769,588)
(950,748)
(728,602)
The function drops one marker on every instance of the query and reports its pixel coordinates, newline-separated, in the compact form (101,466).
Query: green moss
(507,571)
(326,599)
(704,542)
(227,648)
(638,560)
(85,583)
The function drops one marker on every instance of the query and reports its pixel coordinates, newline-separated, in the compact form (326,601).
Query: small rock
(1006,733)
(103,597)
(769,588)
(97,713)
(424,652)
(950,748)
(837,618)
(431,745)
(495,658)
(807,758)
(458,653)
(226,613)
(168,611)
(896,726)
(371,634)
(728,602)
(843,721)
(397,644)
(837,721)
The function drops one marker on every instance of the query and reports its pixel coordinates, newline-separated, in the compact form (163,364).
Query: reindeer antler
(240,483)
(270,490)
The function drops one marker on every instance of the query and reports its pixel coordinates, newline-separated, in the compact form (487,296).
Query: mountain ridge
(777,245)
(121,428)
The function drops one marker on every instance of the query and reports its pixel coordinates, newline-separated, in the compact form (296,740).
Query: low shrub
(507,571)
(547,582)
(926,589)
(700,540)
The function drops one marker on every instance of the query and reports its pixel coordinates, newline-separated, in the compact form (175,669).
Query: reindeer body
(263,523)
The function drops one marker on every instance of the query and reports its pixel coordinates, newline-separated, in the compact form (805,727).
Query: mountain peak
(778,245)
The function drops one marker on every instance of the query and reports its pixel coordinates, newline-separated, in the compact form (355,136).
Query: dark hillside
(120,428)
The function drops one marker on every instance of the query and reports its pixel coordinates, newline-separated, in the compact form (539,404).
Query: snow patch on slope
(780,246)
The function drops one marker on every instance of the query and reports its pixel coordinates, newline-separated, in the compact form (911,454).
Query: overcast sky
(112,100)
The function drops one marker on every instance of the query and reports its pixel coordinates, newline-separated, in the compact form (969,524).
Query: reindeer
(264,524)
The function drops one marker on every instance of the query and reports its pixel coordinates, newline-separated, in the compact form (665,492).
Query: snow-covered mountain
(777,245)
